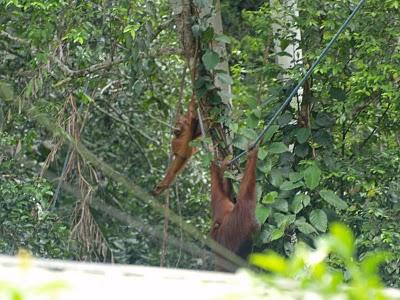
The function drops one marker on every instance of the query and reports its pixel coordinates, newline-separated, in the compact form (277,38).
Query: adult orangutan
(234,224)
(187,129)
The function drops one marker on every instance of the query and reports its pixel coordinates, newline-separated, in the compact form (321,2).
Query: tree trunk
(185,12)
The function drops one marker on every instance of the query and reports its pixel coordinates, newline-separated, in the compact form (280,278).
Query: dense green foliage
(312,272)
(110,73)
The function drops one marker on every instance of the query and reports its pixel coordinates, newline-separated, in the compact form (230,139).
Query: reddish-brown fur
(186,130)
(234,224)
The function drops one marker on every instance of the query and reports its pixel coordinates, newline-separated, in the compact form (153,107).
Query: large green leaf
(323,138)
(319,219)
(301,150)
(262,213)
(277,233)
(285,118)
(289,185)
(302,135)
(304,227)
(277,148)
(283,220)
(343,240)
(276,177)
(312,176)
(270,132)
(299,201)
(281,205)
(334,200)
(210,59)
(324,120)
(271,233)
(270,261)
(270,197)
(295,176)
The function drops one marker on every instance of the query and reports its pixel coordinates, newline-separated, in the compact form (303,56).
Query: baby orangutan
(186,130)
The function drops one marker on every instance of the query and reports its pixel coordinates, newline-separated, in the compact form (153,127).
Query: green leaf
(371,262)
(323,138)
(337,93)
(223,38)
(265,235)
(289,185)
(295,176)
(304,227)
(270,132)
(301,150)
(262,153)
(343,240)
(302,135)
(240,142)
(277,234)
(270,197)
(285,119)
(312,176)
(324,120)
(283,220)
(207,35)
(210,60)
(297,204)
(249,133)
(265,167)
(277,148)
(319,219)
(281,205)
(276,177)
(262,213)
(306,199)
(330,197)
(271,261)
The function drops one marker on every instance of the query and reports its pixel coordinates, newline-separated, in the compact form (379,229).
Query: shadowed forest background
(111,76)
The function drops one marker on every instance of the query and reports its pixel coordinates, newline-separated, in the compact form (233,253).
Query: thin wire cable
(301,82)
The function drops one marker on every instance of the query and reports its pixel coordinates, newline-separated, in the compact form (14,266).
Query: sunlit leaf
(271,261)
(343,240)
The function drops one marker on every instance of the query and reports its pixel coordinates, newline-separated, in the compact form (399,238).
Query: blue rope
(303,80)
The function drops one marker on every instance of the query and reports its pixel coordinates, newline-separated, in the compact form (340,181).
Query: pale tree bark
(293,49)
(304,95)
